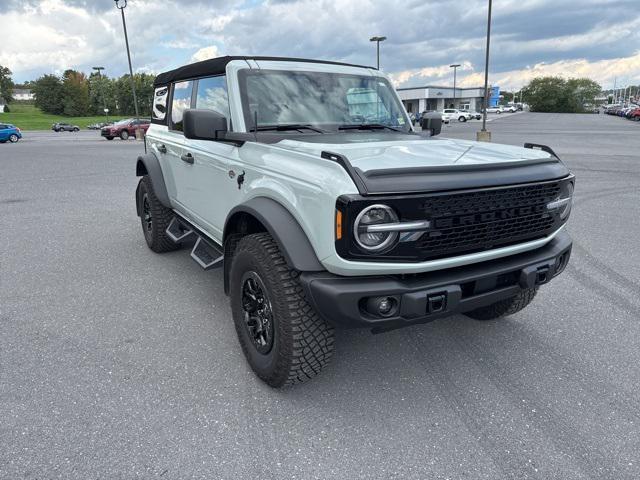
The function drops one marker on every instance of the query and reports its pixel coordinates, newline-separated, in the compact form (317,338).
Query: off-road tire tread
(160,241)
(306,340)
(505,307)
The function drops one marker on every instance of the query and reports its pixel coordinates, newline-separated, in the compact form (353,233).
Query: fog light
(382,306)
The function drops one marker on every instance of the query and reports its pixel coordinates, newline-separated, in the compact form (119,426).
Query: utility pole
(133,83)
(377,40)
(484,135)
(455,69)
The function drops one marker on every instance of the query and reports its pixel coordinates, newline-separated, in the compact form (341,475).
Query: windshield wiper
(368,126)
(288,127)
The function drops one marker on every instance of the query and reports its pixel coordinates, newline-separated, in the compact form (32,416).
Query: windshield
(323,100)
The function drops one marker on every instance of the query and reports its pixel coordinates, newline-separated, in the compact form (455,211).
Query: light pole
(377,40)
(483,135)
(104,99)
(455,70)
(133,83)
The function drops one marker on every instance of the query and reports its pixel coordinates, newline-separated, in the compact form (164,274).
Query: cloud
(625,69)
(424,36)
(205,54)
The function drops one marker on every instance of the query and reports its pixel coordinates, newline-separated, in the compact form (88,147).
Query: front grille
(475,221)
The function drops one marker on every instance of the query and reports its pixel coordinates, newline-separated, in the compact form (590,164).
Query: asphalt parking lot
(116,362)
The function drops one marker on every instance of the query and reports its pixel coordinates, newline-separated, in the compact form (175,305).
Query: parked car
(635,115)
(124,128)
(455,114)
(328,210)
(497,109)
(475,115)
(9,133)
(97,126)
(65,127)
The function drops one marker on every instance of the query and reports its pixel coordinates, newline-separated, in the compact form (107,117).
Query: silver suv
(306,184)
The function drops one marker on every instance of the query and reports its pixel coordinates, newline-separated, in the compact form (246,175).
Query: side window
(160,103)
(212,95)
(181,102)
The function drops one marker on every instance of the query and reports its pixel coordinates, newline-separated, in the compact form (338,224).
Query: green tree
(75,88)
(101,94)
(49,94)
(582,91)
(144,91)
(6,84)
(555,94)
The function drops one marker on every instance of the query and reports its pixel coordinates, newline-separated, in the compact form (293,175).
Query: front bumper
(424,297)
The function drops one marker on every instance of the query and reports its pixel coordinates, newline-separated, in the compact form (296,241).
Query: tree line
(77,95)
(559,95)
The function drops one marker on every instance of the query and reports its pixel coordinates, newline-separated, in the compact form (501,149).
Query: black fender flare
(149,164)
(284,229)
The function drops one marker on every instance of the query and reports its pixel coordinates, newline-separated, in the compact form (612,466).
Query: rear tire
(283,339)
(505,307)
(124,135)
(109,138)
(154,218)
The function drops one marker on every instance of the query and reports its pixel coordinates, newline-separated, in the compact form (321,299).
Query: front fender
(283,227)
(149,164)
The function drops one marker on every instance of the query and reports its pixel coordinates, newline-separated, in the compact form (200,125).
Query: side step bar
(206,255)
(205,252)
(177,231)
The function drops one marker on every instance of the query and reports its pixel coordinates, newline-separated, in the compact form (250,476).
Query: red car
(124,128)
(635,115)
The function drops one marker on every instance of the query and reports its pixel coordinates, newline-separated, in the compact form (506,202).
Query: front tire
(124,135)
(283,339)
(462,119)
(109,138)
(76,129)
(13,138)
(154,218)
(505,307)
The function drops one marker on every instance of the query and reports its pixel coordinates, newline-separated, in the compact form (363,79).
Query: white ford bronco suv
(305,182)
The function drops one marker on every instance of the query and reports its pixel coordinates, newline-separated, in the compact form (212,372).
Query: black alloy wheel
(258,313)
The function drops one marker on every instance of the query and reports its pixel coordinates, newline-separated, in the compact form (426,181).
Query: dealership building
(419,99)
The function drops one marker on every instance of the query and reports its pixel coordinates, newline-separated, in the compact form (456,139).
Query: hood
(397,162)
(378,151)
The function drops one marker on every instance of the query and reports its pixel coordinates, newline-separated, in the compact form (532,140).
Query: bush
(6,109)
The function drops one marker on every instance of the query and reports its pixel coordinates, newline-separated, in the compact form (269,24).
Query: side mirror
(431,122)
(199,124)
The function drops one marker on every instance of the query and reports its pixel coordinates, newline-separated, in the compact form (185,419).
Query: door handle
(187,157)
(162,148)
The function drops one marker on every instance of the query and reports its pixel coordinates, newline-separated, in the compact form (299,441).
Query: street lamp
(133,84)
(483,135)
(104,99)
(377,40)
(455,70)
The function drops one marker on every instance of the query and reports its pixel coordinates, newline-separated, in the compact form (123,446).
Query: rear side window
(181,101)
(212,95)
(160,96)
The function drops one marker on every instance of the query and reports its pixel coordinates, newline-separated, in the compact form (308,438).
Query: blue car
(9,133)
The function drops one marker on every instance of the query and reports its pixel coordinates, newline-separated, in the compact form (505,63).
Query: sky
(599,39)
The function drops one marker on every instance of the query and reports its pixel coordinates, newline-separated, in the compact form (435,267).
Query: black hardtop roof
(216,66)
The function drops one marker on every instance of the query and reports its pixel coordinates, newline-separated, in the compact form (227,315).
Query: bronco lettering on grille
(486,217)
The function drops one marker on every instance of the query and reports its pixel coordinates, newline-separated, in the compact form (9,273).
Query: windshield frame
(244,73)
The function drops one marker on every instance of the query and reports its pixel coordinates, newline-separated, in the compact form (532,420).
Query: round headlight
(374,215)
(567,208)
